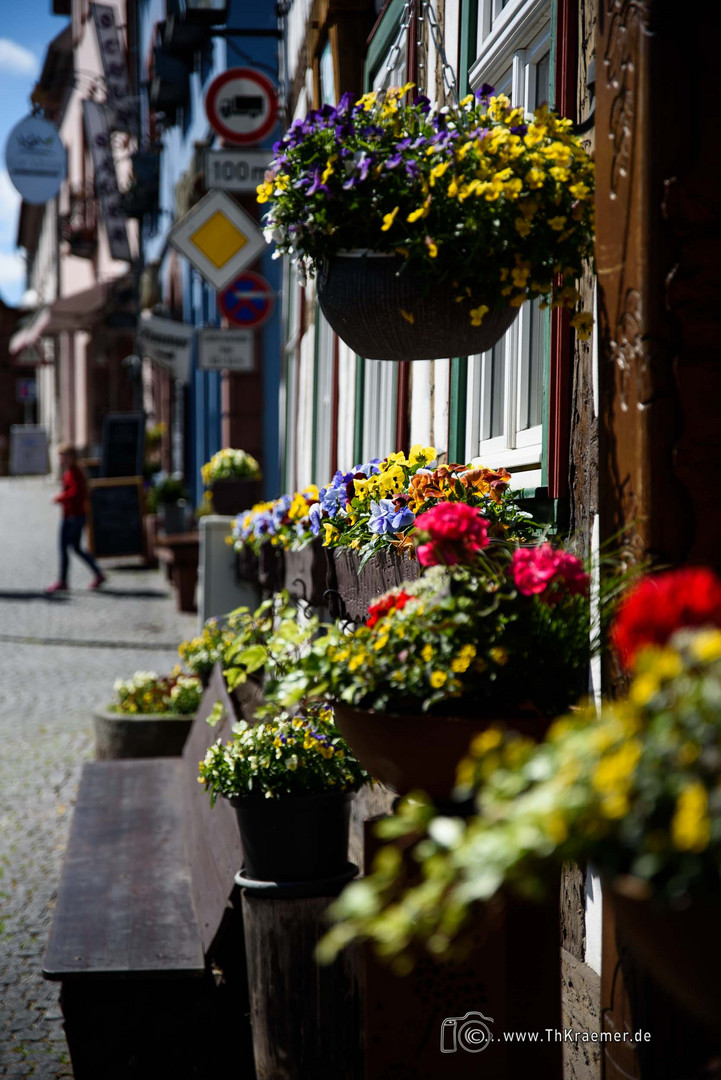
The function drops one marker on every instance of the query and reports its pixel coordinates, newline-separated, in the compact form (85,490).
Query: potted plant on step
(291,780)
(427,229)
(150,717)
(167,497)
(234,479)
(491,632)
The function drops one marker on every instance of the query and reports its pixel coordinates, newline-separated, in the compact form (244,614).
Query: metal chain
(426,11)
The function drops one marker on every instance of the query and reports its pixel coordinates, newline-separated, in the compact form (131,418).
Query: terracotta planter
(384,570)
(306,573)
(362,295)
(231,497)
(139,735)
(295,837)
(416,751)
(271,567)
(679,949)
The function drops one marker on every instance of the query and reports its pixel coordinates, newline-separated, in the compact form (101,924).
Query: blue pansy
(385,518)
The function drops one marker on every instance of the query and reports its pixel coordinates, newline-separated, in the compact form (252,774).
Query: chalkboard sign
(123,445)
(115,516)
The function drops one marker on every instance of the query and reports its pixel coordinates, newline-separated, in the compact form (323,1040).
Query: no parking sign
(248,301)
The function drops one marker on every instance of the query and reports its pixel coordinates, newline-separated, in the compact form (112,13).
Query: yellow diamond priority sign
(218,238)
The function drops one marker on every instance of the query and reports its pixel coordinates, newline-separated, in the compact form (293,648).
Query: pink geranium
(542,571)
(452,533)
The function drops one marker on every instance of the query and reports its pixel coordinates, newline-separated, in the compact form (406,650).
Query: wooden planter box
(246,565)
(271,567)
(384,570)
(306,573)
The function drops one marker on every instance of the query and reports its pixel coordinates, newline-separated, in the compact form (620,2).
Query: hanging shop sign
(167,343)
(248,301)
(218,238)
(242,106)
(236,170)
(36,159)
(226,350)
(115,67)
(97,134)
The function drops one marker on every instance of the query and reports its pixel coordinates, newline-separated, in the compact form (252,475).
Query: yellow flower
(459,665)
(328,171)
(499,655)
(690,828)
(437,679)
(557,223)
(432,248)
(643,689)
(522,226)
(422,211)
(422,455)
(487,740)
(706,645)
(477,314)
(582,323)
(408,315)
(388,219)
(381,643)
(579,190)
(331,533)
(437,171)
(427,652)
(264,190)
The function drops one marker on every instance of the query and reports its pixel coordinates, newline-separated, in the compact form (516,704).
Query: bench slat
(125,904)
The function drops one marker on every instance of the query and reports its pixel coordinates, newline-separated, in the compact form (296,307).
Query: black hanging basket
(363,295)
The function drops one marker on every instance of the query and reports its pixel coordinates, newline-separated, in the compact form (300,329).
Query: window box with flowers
(150,717)
(490,632)
(472,210)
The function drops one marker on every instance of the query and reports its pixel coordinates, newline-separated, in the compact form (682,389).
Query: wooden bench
(144,926)
(180,552)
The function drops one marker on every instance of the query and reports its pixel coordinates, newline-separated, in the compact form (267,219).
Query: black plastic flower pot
(294,837)
(384,311)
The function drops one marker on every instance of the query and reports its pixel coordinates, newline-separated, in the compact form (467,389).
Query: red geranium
(386,604)
(661,604)
(454,533)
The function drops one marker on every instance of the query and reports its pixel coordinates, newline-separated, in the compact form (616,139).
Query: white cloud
(12,277)
(9,206)
(16,59)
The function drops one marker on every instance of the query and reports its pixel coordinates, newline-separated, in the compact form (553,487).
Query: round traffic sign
(242,105)
(247,301)
(36,159)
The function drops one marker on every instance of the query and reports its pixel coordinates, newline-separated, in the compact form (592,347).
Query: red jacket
(74,492)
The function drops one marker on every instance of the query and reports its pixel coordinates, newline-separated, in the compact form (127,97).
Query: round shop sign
(242,106)
(36,159)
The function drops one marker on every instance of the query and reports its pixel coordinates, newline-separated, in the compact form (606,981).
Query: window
(505,386)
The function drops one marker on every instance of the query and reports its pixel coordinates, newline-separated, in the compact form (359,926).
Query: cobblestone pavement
(59,656)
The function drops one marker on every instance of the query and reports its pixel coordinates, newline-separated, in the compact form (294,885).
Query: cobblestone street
(59,658)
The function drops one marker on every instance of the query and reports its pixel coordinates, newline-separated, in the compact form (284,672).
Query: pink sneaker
(58,586)
(97,582)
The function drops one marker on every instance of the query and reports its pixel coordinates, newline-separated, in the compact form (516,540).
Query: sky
(26,28)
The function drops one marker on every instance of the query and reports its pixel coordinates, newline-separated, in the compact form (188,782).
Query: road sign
(36,159)
(226,350)
(236,170)
(248,301)
(218,238)
(242,106)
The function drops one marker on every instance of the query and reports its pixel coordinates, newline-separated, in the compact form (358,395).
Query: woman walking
(72,499)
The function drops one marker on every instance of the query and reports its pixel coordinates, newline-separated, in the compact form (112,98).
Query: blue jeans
(71,532)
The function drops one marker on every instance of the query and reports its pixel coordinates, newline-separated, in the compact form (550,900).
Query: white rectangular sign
(97,134)
(236,170)
(167,343)
(226,350)
(115,66)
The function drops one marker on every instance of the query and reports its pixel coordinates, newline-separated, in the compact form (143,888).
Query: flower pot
(384,570)
(231,497)
(679,949)
(173,518)
(306,573)
(139,735)
(363,294)
(246,565)
(418,751)
(294,837)
(271,567)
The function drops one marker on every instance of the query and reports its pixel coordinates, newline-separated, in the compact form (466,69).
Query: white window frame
(511,40)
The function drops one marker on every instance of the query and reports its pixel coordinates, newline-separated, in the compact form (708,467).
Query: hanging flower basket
(378,306)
